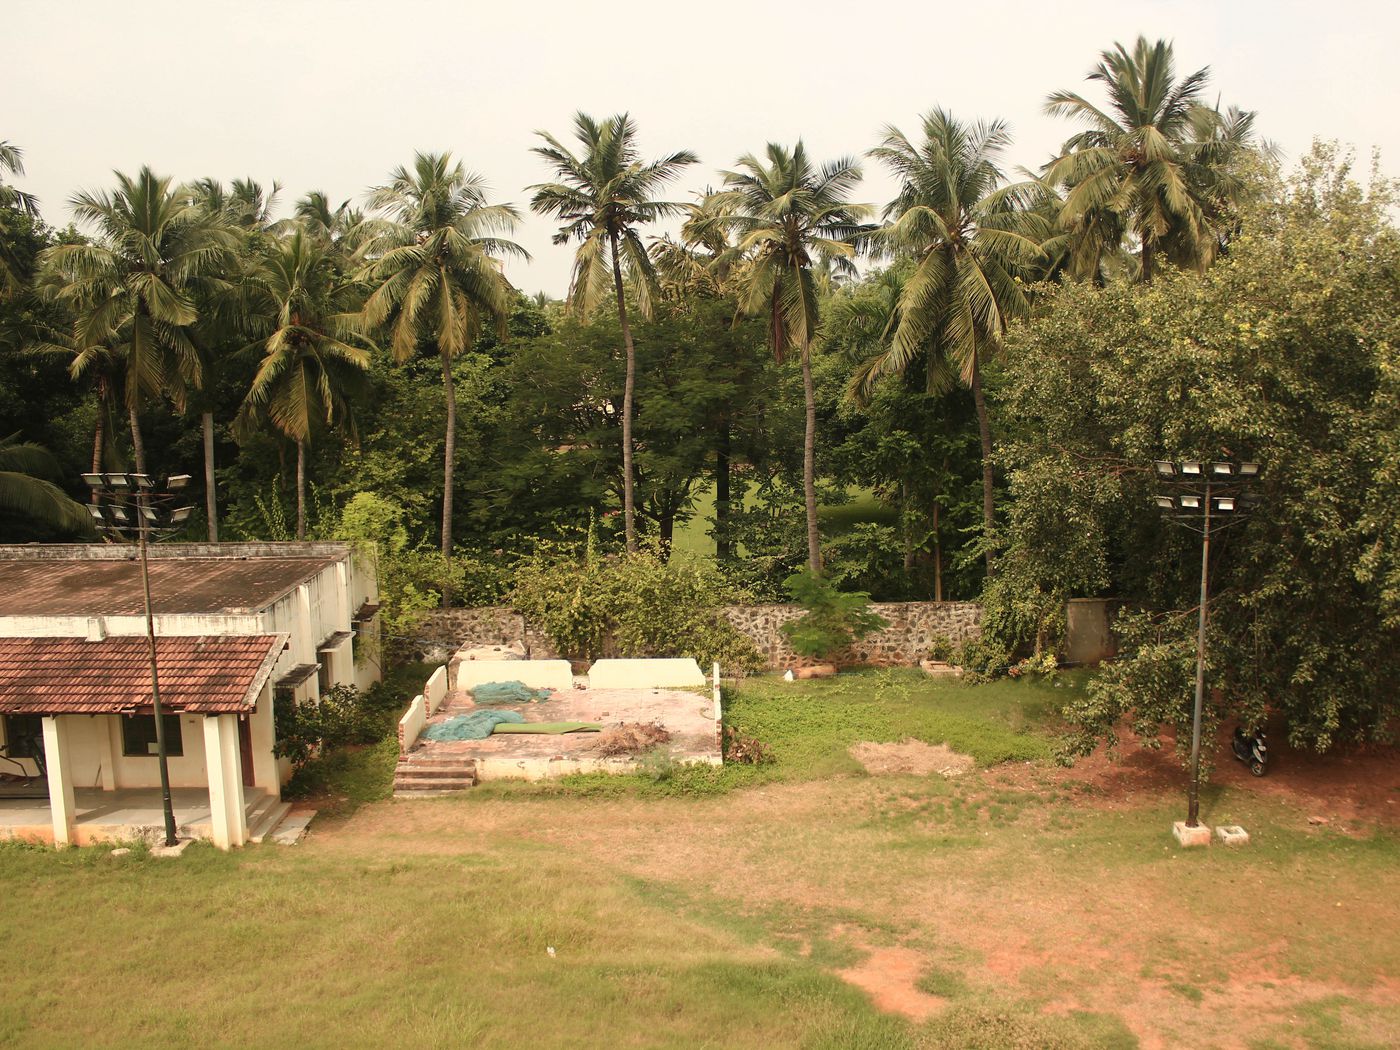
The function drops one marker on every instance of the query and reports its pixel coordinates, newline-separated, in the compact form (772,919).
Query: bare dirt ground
(1349,785)
(911,757)
(1076,902)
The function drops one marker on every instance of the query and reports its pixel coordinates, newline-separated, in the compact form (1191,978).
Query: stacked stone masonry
(912,628)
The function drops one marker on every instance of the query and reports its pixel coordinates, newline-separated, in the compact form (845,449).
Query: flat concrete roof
(104,586)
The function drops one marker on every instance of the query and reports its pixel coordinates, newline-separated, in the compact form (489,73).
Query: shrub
(340,717)
(833,620)
(631,605)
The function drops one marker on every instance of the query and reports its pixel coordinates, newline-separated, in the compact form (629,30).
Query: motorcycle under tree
(1250,749)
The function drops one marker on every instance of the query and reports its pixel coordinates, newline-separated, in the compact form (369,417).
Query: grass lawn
(799,904)
(694,535)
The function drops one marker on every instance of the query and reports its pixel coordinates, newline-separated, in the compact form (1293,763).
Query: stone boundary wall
(913,626)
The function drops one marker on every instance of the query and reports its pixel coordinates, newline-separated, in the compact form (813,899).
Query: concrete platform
(689,716)
(537,674)
(132,815)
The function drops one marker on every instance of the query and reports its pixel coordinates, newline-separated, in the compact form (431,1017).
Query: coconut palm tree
(11,270)
(790,217)
(246,209)
(311,365)
(131,289)
(434,271)
(602,195)
(969,237)
(1154,165)
(25,489)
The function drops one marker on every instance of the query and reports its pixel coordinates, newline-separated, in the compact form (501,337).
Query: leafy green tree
(435,274)
(1158,165)
(602,196)
(310,368)
(790,216)
(969,236)
(130,291)
(1280,353)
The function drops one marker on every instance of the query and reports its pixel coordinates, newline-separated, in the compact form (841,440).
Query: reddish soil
(889,976)
(1348,784)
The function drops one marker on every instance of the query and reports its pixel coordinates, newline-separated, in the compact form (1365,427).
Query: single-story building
(240,629)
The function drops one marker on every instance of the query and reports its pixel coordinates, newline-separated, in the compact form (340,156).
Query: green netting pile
(494,693)
(477,725)
(550,727)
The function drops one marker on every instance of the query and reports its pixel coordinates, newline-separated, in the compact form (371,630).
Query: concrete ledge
(537,674)
(644,674)
(412,723)
(435,690)
(1188,837)
(1232,835)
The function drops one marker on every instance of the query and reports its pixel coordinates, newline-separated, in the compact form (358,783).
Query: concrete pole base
(1187,837)
(1232,835)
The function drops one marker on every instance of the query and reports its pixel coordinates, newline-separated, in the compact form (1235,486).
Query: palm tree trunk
(908,522)
(937,557)
(301,490)
(211,495)
(138,447)
(1148,261)
(629,515)
(449,457)
(984,431)
(722,543)
(809,465)
(99,436)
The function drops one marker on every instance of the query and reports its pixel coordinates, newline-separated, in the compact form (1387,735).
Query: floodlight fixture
(1225,503)
(1249,470)
(1222,470)
(180,515)
(1190,502)
(176,482)
(1191,467)
(1166,468)
(1166,503)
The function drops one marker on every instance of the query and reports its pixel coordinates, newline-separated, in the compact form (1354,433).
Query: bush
(833,620)
(340,717)
(631,605)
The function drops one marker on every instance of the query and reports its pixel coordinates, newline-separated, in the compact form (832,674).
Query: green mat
(511,692)
(476,725)
(549,727)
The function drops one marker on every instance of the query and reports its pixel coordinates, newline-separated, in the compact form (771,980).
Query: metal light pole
(153,512)
(1204,488)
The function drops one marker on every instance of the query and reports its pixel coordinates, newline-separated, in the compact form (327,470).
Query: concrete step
(435,761)
(431,785)
(412,772)
(293,829)
(257,803)
(268,822)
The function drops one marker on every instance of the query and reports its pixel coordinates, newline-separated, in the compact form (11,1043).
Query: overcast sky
(332,94)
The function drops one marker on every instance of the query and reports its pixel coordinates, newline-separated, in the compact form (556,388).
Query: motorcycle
(1250,749)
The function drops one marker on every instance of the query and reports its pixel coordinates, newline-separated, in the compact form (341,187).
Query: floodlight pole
(1194,795)
(171,838)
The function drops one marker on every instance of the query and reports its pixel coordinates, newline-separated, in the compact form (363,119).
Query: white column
(107,749)
(227,815)
(62,807)
(263,734)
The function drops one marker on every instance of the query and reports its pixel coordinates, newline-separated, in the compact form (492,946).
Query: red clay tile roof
(72,676)
(92,587)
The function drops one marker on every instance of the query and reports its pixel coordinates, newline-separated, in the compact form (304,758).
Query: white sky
(319,94)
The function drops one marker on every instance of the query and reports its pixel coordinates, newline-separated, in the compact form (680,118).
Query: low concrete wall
(644,674)
(912,628)
(537,674)
(412,723)
(435,690)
